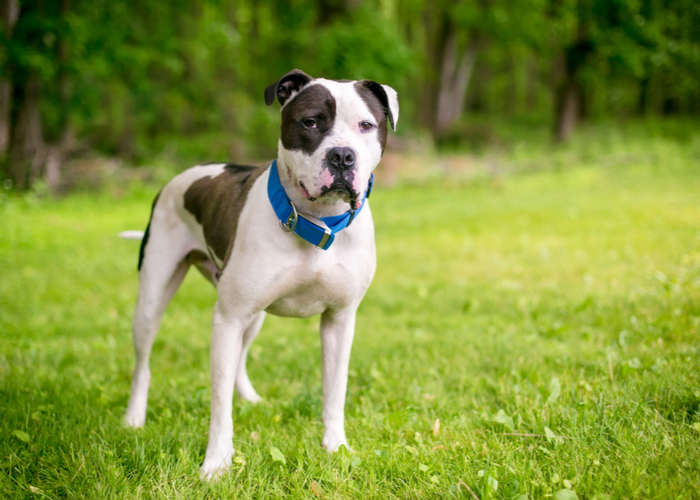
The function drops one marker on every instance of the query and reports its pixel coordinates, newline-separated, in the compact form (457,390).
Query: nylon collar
(319,232)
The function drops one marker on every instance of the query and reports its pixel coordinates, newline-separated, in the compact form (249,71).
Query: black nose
(341,158)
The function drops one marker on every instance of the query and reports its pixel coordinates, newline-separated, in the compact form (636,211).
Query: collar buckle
(292,221)
(320,225)
(291,224)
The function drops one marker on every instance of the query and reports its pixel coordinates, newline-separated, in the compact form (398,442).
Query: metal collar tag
(291,224)
(320,225)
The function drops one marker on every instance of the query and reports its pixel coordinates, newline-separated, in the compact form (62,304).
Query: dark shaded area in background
(133,79)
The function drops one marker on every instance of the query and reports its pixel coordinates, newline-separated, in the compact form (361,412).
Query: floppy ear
(286,86)
(388,98)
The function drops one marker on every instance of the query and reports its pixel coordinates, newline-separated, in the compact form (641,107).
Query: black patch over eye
(314,102)
(309,123)
(366,126)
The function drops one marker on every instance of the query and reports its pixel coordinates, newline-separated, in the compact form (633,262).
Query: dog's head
(333,133)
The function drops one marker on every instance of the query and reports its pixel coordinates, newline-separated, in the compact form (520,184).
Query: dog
(294,237)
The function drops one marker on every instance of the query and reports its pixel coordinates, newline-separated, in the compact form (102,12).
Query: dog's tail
(132,235)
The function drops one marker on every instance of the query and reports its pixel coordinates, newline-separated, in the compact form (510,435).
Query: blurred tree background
(132,80)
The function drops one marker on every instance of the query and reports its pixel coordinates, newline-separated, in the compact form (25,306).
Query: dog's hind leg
(164,267)
(243,386)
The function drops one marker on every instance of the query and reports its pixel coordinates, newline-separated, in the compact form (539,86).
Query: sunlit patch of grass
(549,321)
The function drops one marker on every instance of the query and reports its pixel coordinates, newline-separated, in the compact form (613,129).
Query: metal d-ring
(292,220)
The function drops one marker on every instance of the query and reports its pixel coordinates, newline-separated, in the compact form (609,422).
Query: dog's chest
(299,304)
(306,291)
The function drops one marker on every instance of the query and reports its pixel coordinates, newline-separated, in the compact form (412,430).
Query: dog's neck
(318,208)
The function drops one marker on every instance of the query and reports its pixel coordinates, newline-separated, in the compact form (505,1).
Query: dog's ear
(388,98)
(286,86)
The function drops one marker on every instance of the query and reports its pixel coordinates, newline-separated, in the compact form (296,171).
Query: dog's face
(333,133)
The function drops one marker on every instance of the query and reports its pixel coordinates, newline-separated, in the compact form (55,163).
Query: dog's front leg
(337,330)
(226,344)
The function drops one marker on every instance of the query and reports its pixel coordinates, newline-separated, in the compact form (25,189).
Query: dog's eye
(366,126)
(309,123)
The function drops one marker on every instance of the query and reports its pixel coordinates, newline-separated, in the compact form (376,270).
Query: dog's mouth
(343,188)
(305,192)
(339,186)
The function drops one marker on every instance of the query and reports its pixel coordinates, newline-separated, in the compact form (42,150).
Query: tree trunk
(5,113)
(449,70)
(57,154)
(568,108)
(127,140)
(643,100)
(27,150)
(479,101)
(9,13)
(455,74)
(531,98)
(436,25)
(510,99)
(568,93)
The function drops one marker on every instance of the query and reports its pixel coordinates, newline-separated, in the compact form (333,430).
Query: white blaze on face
(350,111)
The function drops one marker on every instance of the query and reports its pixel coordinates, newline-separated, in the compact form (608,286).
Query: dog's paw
(332,442)
(246,391)
(215,467)
(211,474)
(134,421)
(251,397)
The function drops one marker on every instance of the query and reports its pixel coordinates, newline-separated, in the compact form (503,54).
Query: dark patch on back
(378,109)
(216,203)
(314,101)
(225,164)
(146,233)
(239,169)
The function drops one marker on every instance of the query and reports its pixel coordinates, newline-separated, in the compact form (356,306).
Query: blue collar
(319,232)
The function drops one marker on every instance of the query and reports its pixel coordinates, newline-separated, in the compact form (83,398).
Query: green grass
(549,320)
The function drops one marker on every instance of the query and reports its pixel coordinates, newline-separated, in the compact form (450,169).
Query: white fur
(269,270)
(393,104)
(131,235)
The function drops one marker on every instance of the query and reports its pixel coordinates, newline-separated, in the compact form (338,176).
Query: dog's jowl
(293,238)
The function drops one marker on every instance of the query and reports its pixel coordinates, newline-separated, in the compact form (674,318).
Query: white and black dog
(294,238)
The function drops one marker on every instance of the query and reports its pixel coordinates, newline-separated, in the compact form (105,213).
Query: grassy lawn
(549,320)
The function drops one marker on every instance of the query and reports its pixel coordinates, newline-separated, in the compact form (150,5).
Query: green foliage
(144,78)
(364,44)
